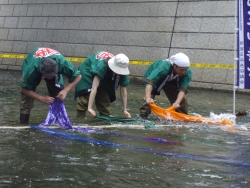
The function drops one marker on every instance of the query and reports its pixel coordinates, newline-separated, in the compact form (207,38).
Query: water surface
(203,156)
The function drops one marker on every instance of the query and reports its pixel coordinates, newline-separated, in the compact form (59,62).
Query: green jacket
(31,67)
(158,73)
(96,64)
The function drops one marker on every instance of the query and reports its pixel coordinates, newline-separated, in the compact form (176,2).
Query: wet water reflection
(33,158)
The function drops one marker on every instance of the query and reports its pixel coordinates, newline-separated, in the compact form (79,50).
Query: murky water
(201,156)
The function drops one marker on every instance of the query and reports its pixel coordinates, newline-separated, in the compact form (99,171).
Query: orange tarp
(171,114)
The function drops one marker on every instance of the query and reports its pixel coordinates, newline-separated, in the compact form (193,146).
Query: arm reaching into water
(148,96)
(123,92)
(92,95)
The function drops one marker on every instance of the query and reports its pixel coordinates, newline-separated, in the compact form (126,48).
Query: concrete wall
(143,30)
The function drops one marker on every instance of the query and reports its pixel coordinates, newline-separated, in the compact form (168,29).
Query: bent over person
(102,73)
(50,65)
(173,77)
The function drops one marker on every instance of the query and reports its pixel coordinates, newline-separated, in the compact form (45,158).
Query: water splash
(218,118)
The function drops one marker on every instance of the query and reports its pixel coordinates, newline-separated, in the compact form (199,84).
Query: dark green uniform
(97,64)
(159,75)
(32,75)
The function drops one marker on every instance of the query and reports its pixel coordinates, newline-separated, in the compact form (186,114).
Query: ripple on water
(209,175)
(41,159)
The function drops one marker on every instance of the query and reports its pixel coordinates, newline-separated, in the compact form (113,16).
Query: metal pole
(235,55)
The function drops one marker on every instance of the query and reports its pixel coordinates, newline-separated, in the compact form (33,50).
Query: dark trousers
(27,103)
(102,102)
(171,91)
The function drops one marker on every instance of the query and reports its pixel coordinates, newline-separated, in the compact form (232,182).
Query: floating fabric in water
(211,159)
(117,119)
(147,123)
(57,115)
(171,114)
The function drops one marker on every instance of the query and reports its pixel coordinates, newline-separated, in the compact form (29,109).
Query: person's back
(173,77)
(102,73)
(50,65)
(95,64)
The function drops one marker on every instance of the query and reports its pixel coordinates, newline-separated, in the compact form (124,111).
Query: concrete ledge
(200,85)
(222,87)
(139,80)
(14,68)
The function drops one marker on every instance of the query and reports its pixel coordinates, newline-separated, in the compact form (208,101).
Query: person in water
(102,73)
(50,65)
(173,76)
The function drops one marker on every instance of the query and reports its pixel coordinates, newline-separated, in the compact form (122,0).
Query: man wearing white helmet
(171,75)
(102,73)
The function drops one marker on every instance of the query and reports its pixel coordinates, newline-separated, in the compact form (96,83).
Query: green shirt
(96,64)
(31,67)
(158,74)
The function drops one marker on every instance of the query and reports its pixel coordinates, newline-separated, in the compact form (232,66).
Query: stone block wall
(143,30)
